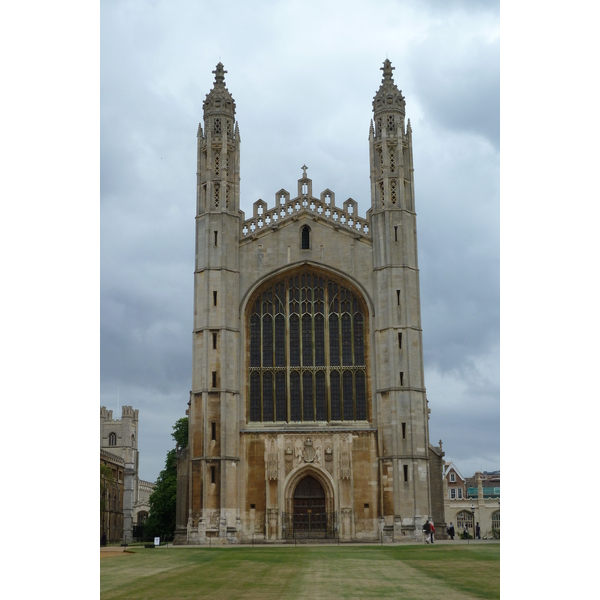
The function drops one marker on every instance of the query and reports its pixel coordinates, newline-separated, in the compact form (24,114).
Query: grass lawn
(444,571)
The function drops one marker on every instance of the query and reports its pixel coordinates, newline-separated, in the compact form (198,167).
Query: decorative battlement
(106,414)
(287,209)
(126,411)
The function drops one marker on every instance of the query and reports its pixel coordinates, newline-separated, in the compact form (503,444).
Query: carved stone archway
(322,476)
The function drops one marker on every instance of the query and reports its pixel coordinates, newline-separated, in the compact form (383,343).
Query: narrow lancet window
(305,237)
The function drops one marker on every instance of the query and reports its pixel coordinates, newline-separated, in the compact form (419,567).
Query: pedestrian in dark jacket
(450,531)
(427,530)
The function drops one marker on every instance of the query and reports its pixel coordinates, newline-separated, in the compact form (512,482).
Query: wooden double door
(309,506)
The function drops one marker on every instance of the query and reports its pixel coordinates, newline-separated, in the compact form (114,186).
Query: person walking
(450,531)
(427,530)
(478,531)
(466,532)
(431,530)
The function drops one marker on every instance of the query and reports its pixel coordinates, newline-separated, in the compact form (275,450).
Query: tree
(163,501)
(180,433)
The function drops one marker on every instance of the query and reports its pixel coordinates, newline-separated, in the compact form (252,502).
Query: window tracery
(306,352)
(391,123)
(496,520)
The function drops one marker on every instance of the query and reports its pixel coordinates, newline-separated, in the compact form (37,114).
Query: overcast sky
(303,75)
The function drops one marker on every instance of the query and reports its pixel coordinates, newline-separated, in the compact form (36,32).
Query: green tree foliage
(180,433)
(161,520)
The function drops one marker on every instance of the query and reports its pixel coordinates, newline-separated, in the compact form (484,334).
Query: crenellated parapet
(129,412)
(288,209)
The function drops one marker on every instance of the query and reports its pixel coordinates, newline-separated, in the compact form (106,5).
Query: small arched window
(133,441)
(112,439)
(305,232)
(496,520)
(464,517)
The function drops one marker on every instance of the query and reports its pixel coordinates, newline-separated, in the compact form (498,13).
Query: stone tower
(403,425)
(213,413)
(308,413)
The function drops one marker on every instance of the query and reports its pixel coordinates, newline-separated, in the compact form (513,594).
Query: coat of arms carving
(309,451)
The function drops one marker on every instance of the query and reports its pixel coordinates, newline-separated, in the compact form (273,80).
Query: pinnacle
(388,96)
(219,73)
(387,70)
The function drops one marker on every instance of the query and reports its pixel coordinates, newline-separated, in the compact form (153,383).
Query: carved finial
(440,444)
(304,167)
(219,73)
(408,126)
(387,69)
(371,129)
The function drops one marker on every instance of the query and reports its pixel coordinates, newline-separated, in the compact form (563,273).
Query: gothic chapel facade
(308,413)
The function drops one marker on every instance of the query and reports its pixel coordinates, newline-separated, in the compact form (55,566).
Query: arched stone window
(112,439)
(496,520)
(305,235)
(307,351)
(462,518)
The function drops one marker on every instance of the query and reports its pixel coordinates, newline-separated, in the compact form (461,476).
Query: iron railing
(310,525)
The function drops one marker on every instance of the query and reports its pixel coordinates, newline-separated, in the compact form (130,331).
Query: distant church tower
(308,414)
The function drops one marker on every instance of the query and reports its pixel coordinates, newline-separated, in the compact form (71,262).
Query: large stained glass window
(306,352)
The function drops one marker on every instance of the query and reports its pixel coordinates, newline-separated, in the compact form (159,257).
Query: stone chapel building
(308,413)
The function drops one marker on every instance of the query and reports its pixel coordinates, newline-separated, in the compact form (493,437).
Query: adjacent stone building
(472,500)
(308,413)
(111,506)
(130,497)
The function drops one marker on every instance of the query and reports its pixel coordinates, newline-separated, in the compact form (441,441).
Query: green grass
(444,571)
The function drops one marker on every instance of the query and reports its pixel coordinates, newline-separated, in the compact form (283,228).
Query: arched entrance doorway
(310,517)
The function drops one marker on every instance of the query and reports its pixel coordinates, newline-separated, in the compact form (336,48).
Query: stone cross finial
(219,73)
(440,444)
(304,167)
(387,69)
